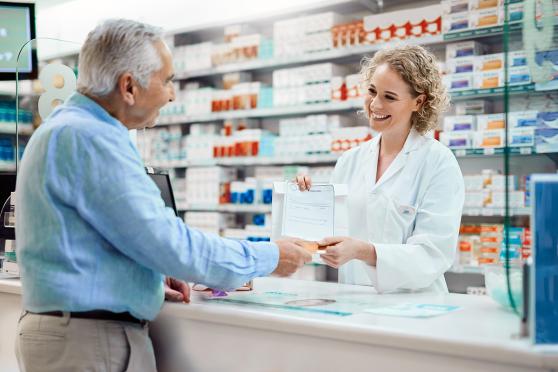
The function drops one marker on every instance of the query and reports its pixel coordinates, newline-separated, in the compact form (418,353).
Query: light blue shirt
(93,231)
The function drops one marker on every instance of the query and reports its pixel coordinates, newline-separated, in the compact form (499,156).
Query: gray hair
(114,47)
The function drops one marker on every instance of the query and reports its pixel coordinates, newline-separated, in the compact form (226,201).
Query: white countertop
(481,329)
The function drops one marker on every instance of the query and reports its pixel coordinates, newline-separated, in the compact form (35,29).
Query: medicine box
(459,65)
(459,123)
(489,138)
(457,140)
(490,62)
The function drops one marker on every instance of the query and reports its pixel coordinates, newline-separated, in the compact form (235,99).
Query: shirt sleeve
(430,250)
(102,177)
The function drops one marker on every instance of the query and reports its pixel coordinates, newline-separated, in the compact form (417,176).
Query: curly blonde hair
(419,69)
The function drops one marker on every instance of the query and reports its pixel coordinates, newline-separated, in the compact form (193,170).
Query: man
(94,237)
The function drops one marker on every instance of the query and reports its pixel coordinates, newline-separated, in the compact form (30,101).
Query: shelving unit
(317,108)
(471,160)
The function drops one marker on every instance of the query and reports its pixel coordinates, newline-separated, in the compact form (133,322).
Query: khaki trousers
(63,344)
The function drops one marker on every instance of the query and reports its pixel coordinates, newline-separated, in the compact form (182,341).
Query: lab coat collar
(412,143)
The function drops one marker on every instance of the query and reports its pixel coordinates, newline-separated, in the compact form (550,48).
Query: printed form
(309,214)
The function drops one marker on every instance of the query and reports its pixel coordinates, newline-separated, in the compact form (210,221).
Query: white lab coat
(412,215)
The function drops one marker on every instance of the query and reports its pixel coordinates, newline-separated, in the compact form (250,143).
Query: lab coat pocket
(399,223)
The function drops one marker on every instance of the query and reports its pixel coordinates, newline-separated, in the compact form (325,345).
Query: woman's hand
(304,182)
(342,249)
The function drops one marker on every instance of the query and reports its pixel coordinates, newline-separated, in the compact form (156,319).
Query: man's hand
(341,249)
(292,256)
(176,290)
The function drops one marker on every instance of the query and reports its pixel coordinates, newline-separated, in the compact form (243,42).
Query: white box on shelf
(486,17)
(489,138)
(485,4)
(521,137)
(456,22)
(490,62)
(474,199)
(474,182)
(491,121)
(473,107)
(458,82)
(457,140)
(464,49)
(455,6)
(460,65)
(522,119)
(489,79)
(459,123)
(519,75)
(517,58)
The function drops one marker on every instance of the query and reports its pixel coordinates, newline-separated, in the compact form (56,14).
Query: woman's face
(389,102)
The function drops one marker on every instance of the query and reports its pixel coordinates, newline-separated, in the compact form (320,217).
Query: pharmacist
(406,189)
(94,236)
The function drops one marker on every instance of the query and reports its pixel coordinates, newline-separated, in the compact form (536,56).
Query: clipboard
(310,214)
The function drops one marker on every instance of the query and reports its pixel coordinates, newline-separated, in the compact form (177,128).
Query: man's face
(158,93)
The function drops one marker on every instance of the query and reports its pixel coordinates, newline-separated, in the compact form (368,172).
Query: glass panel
(531,54)
(35,100)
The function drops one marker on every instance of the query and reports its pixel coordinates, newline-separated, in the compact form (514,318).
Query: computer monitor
(162,180)
(7,186)
(17,27)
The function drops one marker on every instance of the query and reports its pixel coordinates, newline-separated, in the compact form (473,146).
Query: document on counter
(309,214)
(413,310)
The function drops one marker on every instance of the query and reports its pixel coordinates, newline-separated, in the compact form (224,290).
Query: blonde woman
(406,189)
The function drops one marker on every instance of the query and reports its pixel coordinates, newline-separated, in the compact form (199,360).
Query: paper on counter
(413,310)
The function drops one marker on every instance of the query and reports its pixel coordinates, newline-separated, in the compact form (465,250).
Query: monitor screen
(7,186)
(163,183)
(17,27)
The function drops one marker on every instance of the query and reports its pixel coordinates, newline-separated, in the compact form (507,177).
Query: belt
(99,315)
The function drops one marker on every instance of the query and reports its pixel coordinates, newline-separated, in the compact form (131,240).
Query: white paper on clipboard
(309,214)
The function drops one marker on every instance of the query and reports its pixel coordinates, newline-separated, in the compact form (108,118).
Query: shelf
(229,208)
(491,92)
(330,107)
(248,161)
(463,153)
(7,166)
(326,56)
(480,32)
(495,212)
(324,158)
(466,270)
(316,108)
(9,128)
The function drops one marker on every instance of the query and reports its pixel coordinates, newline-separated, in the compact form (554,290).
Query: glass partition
(56,81)
(530,99)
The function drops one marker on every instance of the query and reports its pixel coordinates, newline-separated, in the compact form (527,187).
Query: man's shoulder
(76,123)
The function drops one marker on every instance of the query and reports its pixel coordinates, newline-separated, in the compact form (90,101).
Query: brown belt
(98,314)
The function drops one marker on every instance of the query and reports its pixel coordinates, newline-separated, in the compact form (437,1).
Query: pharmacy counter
(217,336)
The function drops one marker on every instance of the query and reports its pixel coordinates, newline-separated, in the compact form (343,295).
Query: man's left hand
(176,290)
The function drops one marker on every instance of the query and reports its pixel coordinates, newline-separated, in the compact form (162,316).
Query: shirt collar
(85,103)
(414,139)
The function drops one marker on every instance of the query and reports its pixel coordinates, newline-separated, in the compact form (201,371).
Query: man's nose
(172,94)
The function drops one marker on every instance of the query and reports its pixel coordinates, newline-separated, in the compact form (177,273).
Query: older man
(94,237)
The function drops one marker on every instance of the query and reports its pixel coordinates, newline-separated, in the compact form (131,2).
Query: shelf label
(489,151)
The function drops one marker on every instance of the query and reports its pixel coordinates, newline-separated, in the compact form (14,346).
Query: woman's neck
(392,142)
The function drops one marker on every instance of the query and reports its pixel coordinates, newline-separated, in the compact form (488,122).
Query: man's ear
(127,88)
